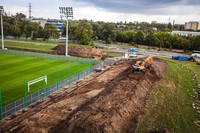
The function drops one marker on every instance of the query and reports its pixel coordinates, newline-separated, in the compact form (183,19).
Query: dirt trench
(105,102)
(47,113)
(115,109)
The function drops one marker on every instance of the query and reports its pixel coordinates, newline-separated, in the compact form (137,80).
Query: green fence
(50,56)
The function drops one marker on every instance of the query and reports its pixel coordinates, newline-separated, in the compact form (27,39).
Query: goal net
(36,81)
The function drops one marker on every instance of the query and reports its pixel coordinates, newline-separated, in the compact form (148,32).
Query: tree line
(109,33)
(160,39)
(18,25)
(85,32)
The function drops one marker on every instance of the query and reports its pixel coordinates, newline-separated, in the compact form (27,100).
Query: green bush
(109,41)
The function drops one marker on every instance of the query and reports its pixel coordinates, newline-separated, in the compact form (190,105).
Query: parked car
(195,54)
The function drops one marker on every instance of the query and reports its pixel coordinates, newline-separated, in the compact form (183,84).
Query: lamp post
(2,37)
(68,13)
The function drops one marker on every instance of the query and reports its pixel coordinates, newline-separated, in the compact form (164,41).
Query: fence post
(78,69)
(70,73)
(0,105)
(57,78)
(43,88)
(91,65)
(24,93)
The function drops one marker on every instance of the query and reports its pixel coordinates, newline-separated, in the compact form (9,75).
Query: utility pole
(173,25)
(68,13)
(2,37)
(29,7)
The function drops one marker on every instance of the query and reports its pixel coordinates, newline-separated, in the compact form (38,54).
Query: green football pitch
(16,71)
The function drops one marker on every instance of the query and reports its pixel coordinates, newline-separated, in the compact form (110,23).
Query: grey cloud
(153,7)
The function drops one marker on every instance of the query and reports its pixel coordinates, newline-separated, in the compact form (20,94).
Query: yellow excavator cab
(140,65)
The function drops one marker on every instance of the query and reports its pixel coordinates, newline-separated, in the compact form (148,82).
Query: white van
(195,54)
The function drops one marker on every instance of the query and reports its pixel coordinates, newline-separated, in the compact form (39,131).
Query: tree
(107,30)
(126,36)
(19,24)
(40,33)
(185,44)
(119,36)
(84,32)
(130,36)
(20,16)
(8,29)
(195,42)
(71,29)
(169,26)
(139,37)
(30,28)
(174,41)
(109,41)
(50,31)
(95,29)
(165,39)
(151,40)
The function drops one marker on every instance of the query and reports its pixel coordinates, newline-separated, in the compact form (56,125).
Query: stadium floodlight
(68,13)
(2,37)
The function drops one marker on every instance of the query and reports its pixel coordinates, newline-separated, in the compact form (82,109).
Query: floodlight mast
(68,13)
(2,37)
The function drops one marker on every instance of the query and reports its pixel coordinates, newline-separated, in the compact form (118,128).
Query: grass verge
(169,106)
(114,54)
(192,65)
(37,45)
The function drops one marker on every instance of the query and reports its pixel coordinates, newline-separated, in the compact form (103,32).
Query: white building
(192,25)
(186,33)
(41,22)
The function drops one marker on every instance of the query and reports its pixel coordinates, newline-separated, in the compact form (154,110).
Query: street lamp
(1,13)
(68,13)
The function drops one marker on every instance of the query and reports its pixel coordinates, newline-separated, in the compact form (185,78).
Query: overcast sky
(112,10)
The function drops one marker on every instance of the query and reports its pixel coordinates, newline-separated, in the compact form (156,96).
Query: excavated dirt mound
(104,102)
(80,51)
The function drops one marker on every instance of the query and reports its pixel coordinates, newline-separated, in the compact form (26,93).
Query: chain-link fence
(50,56)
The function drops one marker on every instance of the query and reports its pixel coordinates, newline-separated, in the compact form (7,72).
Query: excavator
(140,66)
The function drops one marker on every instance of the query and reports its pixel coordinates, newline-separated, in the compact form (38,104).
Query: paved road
(29,42)
(122,49)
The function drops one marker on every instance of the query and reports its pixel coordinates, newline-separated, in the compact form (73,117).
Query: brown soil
(103,102)
(80,51)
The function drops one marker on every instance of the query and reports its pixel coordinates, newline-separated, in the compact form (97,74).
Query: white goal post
(37,80)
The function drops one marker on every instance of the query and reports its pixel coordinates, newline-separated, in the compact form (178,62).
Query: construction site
(113,98)
(106,101)
(99,75)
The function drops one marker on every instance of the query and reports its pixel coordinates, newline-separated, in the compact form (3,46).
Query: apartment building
(192,25)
